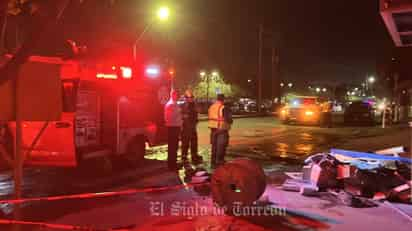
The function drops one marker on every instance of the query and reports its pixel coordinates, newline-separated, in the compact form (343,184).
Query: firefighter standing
(173,120)
(326,114)
(189,129)
(220,120)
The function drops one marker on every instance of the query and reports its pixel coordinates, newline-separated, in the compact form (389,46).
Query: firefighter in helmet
(189,129)
(326,114)
(220,120)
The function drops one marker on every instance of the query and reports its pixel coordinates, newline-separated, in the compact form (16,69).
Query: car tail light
(309,113)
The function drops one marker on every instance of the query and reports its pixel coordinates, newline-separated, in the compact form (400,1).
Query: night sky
(318,40)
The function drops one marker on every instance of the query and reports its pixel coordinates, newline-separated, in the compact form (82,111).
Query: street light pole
(260,71)
(162,14)
(136,42)
(207,88)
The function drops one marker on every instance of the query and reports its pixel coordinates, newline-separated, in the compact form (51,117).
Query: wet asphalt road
(277,147)
(264,139)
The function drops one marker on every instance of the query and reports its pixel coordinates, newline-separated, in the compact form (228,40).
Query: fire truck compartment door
(39,87)
(88,124)
(55,146)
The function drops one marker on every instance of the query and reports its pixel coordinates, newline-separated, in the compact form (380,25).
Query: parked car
(359,113)
(250,107)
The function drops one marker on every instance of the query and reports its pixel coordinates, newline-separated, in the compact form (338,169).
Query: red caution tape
(101,194)
(55,226)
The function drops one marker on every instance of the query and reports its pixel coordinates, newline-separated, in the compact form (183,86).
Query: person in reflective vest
(220,120)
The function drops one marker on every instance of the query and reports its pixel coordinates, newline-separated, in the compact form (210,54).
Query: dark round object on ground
(136,151)
(241,181)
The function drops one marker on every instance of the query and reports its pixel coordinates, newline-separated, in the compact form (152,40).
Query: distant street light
(162,14)
(324,89)
(282,84)
(249,80)
(371,79)
(290,84)
(317,89)
(213,74)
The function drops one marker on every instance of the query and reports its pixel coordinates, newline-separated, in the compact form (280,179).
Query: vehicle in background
(359,113)
(337,107)
(237,108)
(250,107)
(301,109)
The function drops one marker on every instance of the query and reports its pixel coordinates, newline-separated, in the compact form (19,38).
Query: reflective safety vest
(216,119)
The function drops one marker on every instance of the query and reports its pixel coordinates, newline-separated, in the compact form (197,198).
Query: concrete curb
(203,117)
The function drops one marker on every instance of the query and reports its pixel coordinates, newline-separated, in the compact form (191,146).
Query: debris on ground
(356,179)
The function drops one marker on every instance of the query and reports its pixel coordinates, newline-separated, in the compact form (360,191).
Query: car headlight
(309,113)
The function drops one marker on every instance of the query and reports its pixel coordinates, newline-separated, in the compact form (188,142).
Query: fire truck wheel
(136,150)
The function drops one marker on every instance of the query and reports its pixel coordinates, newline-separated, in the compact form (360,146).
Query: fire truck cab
(108,110)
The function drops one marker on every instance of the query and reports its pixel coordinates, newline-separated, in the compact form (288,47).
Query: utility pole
(275,93)
(207,89)
(18,154)
(260,69)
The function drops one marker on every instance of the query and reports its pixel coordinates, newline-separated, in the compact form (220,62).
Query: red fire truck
(109,110)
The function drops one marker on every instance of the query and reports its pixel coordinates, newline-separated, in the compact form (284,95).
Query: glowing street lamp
(202,73)
(371,79)
(324,89)
(282,84)
(317,89)
(215,73)
(163,13)
(290,84)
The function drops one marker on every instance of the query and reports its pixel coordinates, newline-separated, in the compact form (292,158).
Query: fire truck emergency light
(126,72)
(106,76)
(152,72)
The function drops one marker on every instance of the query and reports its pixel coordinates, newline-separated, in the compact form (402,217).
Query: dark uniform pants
(220,141)
(326,119)
(172,146)
(189,140)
